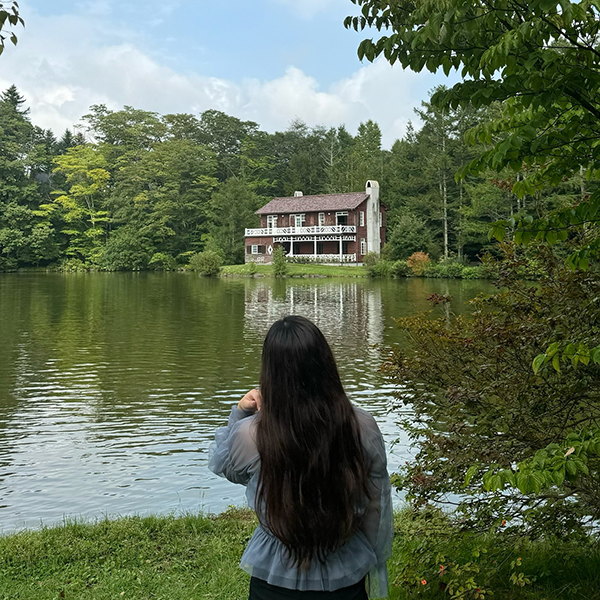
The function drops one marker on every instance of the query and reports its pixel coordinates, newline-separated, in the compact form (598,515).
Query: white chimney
(373,230)
(297,194)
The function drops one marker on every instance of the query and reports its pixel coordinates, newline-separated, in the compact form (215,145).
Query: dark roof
(294,204)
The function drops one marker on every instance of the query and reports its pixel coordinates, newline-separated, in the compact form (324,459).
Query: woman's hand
(251,402)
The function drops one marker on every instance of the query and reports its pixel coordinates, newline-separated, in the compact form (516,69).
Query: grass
(196,557)
(296,270)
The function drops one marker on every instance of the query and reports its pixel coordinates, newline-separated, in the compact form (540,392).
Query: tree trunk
(444,194)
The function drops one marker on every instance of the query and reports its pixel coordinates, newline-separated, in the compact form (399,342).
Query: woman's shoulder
(366,420)
(371,437)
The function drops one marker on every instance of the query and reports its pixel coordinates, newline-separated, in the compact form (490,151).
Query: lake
(112,384)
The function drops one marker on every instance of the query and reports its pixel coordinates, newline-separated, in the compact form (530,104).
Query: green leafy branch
(9,11)
(574,353)
(549,467)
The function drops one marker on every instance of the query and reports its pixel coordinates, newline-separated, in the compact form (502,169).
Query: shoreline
(196,556)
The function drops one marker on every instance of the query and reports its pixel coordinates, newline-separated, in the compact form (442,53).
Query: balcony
(322,258)
(314,230)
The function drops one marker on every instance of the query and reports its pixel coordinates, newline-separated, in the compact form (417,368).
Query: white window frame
(297,220)
(363,246)
(361,218)
(341,213)
(271,221)
(321,219)
(254,248)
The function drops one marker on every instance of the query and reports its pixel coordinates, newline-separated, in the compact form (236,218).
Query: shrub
(126,250)
(408,234)
(478,272)
(162,262)
(207,263)
(383,268)
(252,268)
(510,432)
(73,265)
(447,269)
(376,266)
(370,259)
(418,262)
(401,269)
(280,267)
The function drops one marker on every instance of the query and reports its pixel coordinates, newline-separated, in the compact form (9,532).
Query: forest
(135,190)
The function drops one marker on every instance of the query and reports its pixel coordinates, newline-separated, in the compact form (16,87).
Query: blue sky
(266,60)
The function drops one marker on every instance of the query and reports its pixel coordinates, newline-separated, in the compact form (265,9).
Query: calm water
(111,385)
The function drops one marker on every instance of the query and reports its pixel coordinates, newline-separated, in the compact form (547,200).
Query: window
(271,221)
(341,218)
(297,220)
(321,219)
(256,249)
(361,220)
(380,219)
(363,246)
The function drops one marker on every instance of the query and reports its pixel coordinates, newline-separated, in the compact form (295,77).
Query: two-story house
(331,228)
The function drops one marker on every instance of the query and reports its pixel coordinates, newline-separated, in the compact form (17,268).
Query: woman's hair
(313,472)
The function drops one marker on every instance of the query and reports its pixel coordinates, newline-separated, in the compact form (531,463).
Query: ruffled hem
(265,557)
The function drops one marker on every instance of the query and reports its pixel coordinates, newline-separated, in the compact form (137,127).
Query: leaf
(538,361)
(556,363)
(471,471)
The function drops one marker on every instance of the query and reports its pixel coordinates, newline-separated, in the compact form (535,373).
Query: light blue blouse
(233,455)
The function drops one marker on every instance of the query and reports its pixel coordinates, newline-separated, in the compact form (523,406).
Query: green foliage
(448,269)
(435,557)
(540,60)
(207,263)
(280,266)
(230,210)
(129,558)
(489,428)
(73,265)
(172,180)
(383,268)
(126,250)
(162,262)
(370,259)
(409,235)
(194,556)
(9,15)
(479,272)
(401,269)
(378,267)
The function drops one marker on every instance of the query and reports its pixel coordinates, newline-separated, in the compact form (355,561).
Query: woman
(315,467)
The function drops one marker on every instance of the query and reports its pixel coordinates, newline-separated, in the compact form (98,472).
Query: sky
(269,61)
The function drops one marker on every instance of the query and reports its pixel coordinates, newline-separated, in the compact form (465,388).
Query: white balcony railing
(314,230)
(323,258)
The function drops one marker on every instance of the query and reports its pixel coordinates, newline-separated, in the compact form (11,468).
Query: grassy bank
(295,270)
(193,557)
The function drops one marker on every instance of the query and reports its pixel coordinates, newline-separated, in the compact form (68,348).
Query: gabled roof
(295,204)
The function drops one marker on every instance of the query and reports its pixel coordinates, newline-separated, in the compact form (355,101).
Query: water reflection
(111,385)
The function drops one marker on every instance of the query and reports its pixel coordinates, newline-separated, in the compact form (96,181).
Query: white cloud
(65,64)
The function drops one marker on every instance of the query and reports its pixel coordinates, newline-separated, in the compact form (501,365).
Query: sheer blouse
(234,455)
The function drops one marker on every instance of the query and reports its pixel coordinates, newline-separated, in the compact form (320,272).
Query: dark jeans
(261,590)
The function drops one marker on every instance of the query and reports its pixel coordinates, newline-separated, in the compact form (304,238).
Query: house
(331,228)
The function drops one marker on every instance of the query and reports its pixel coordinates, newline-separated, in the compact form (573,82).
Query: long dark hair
(313,472)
